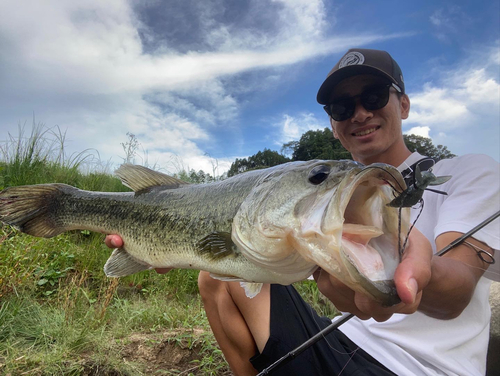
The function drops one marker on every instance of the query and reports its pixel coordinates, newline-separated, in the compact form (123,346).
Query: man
(441,326)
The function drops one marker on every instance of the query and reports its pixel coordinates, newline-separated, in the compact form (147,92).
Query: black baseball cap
(362,61)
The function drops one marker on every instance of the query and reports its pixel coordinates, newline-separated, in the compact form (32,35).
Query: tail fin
(32,208)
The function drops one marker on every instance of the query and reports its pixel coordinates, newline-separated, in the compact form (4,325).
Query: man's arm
(454,278)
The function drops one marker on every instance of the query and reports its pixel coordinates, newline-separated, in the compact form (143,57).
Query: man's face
(370,134)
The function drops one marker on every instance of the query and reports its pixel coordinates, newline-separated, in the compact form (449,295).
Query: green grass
(57,307)
(60,315)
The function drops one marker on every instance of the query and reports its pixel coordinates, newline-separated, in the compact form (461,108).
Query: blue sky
(204,82)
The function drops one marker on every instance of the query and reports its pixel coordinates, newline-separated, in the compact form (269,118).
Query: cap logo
(352,58)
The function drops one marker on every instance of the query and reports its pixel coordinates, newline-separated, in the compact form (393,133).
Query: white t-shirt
(418,344)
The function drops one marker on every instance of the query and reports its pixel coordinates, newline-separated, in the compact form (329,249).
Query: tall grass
(39,156)
(59,314)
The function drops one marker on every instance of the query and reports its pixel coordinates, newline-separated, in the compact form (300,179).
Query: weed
(57,268)
(309,291)
(108,296)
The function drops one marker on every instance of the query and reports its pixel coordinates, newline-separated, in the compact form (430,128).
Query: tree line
(320,144)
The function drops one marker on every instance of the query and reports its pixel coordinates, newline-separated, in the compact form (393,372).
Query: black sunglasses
(373,98)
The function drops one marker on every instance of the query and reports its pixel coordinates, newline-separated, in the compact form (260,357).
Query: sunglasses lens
(342,110)
(375,98)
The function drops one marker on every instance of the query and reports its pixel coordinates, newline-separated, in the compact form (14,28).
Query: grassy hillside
(60,315)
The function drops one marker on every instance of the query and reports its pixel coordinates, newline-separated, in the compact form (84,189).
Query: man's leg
(275,322)
(240,324)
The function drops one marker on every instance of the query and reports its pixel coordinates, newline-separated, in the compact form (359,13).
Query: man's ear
(332,124)
(405,106)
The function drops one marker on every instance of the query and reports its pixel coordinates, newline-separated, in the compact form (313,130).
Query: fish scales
(159,227)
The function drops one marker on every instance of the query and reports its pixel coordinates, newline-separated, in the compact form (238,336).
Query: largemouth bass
(275,225)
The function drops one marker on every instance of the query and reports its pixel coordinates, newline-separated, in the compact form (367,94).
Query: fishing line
(313,314)
(412,225)
(483,254)
(400,250)
(482,268)
(388,172)
(350,358)
(400,209)
(311,341)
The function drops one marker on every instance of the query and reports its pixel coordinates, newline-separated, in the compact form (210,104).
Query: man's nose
(361,114)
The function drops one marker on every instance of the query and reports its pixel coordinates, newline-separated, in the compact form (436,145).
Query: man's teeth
(367,131)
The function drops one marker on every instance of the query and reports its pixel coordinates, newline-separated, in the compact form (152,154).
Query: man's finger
(414,272)
(113,241)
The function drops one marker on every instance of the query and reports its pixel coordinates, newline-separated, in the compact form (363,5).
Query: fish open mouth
(372,232)
(367,235)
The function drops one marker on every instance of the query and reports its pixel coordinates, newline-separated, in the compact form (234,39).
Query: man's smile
(365,132)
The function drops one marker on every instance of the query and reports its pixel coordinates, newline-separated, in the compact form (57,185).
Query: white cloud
(437,105)
(95,47)
(480,88)
(292,127)
(462,110)
(453,102)
(447,22)
(436,18)
(419,131)
(308,16)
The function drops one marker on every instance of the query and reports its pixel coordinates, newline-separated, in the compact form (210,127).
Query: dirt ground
(158,355)
(163,355)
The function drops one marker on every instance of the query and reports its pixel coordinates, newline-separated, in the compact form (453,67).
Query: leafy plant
(58,265)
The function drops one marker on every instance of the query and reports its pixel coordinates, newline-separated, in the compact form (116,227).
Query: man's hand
(411,277)
(115,241)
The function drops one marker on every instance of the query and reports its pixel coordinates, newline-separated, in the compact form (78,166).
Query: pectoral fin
(217,245)
(121,264)
(251,289)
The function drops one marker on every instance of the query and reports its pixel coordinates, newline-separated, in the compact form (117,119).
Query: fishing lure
(413,194)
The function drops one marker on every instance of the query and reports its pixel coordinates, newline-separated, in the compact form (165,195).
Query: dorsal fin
(139,177)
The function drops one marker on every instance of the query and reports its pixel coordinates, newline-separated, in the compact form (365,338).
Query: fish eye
(319,174)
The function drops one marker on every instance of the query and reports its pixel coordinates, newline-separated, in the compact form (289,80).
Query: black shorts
(293,322)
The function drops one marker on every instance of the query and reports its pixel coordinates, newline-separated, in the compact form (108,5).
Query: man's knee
(221,292)
(208,286)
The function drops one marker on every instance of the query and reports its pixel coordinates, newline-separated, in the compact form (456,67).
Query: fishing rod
(346,317)
(467,234)
(311,341)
